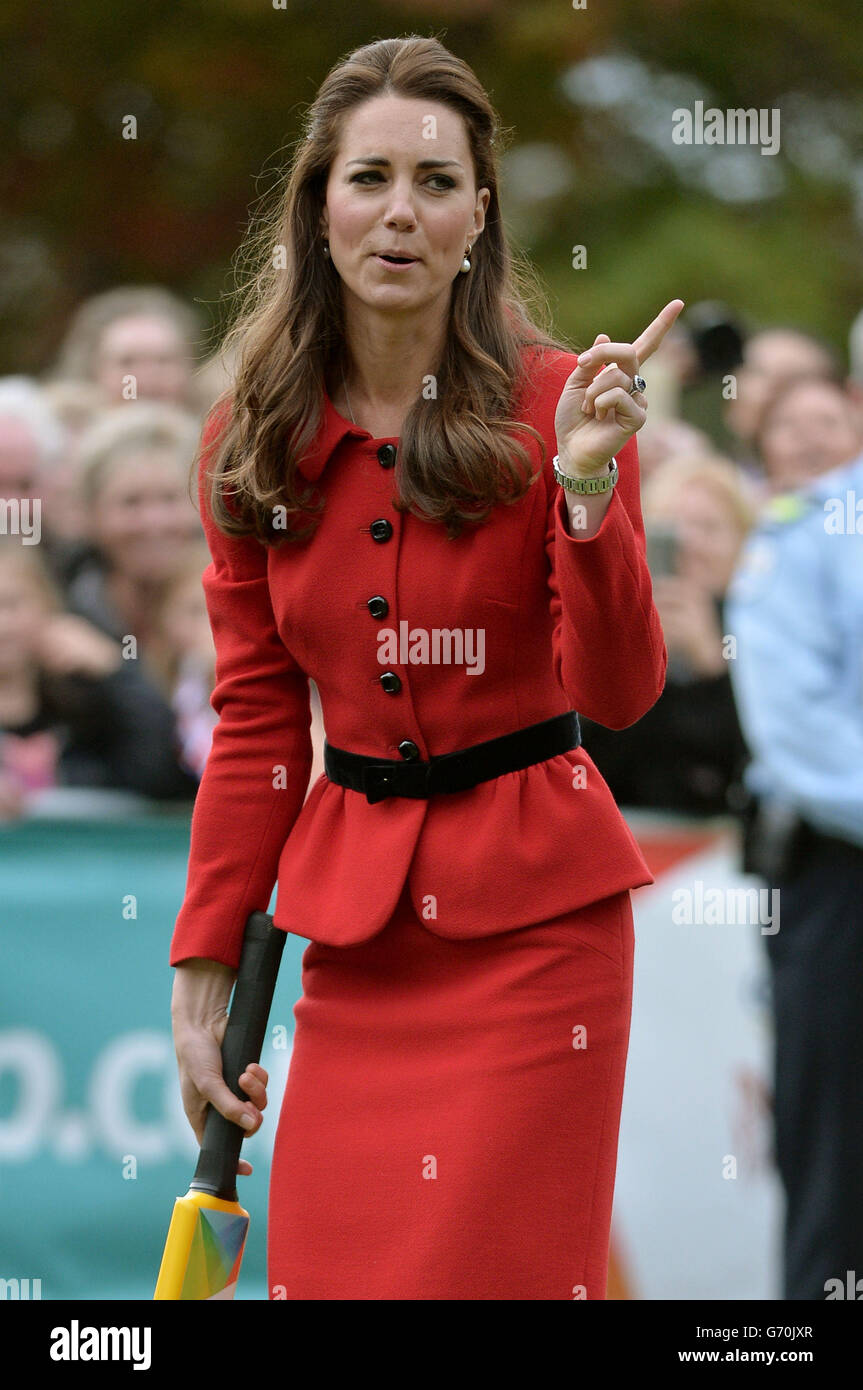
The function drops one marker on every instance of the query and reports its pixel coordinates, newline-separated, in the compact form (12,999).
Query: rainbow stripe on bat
(204,1249)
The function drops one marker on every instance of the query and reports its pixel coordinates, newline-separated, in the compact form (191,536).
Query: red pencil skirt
(450,1120)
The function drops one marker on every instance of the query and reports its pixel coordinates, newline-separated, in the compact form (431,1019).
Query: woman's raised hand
(596,414)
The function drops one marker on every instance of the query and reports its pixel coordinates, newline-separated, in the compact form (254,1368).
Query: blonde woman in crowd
(135,342)
(133,469)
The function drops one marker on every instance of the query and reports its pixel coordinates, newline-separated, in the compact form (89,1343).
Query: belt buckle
(381,780)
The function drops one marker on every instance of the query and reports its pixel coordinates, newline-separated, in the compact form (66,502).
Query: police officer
(795,608)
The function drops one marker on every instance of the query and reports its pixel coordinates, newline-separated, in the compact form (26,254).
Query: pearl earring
(326,250)
(465,265)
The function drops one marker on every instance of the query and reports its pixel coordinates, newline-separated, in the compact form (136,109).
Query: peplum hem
(345,863)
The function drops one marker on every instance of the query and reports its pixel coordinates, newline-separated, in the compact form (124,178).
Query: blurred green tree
(587,90)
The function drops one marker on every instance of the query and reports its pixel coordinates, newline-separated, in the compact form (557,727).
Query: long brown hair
(457,457)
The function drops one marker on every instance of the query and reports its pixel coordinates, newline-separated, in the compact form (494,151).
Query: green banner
(94,1145)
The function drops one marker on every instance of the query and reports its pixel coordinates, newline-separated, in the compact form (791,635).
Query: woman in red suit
(450,1121)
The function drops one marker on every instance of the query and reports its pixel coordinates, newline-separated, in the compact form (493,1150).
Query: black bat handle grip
(244,1038)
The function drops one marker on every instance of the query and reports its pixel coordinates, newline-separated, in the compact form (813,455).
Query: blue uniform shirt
(795,607)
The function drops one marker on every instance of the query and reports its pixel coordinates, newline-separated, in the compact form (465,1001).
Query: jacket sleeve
(609,651)
(257,772)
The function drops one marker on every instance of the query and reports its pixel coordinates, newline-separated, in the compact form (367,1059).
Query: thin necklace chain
(347,397)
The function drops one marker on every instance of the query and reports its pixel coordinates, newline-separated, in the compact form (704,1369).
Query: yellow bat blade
(204,1248)
(208,1228)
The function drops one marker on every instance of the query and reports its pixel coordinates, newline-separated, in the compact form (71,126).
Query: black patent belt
(453,772)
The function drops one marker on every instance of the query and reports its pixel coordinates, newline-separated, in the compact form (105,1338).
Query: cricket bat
(207,1235)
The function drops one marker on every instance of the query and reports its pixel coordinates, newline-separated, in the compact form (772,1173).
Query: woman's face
(380,198)
(708,536)
(142,515)
(812,430)
(149,349)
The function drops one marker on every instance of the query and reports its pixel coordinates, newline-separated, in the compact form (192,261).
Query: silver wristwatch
(604,483)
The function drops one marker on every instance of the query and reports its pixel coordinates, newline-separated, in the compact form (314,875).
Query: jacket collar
(331,431)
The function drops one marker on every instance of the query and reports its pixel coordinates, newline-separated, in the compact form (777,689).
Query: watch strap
(604,483)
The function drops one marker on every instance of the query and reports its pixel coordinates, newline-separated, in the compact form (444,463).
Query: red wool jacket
(566,623)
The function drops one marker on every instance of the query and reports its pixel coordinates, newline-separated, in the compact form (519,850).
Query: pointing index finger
(654,333)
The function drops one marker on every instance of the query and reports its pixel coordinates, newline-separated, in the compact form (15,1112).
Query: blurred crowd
(106,657)
(791,414)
